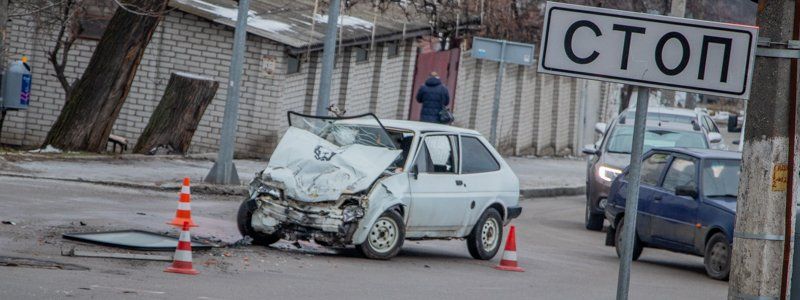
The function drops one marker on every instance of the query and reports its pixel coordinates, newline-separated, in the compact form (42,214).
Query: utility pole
(328,59)
(677,8)
(224,170)
(764,214)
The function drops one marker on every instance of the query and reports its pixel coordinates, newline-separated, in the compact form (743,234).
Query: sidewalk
(539,177)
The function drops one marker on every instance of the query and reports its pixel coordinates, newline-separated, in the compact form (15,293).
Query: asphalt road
(562,260)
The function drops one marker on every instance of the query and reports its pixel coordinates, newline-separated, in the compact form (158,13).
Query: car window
(721,177)
(476,158)
(710,124)
(436,155)
(622,138)
(681,172)
(652,167)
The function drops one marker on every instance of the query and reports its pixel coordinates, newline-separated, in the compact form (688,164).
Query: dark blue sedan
(687,203)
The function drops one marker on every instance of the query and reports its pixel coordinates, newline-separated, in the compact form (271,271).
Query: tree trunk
(94,104)
(175,120)
(627,92)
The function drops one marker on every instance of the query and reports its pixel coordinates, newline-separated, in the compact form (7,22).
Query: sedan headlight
(608,173)
(351,213)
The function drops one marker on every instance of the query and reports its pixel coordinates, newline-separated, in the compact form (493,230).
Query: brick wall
(186,43)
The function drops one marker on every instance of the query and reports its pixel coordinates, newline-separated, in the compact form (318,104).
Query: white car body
(317,189)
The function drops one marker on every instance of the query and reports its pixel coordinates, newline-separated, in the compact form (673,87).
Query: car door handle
(459,182)
(657,198)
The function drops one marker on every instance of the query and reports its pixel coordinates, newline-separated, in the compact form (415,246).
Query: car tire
(593,222)
(487,235)
(243,222)
(717,257)
(385,237)
(637,245)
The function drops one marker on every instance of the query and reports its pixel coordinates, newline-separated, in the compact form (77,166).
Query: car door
(652,171)
(437,207)
(675,216)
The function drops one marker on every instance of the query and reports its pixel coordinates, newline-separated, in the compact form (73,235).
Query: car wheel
(243,221)
(593,222)
(717,258)
(485,238)
(385,237)
(637,245)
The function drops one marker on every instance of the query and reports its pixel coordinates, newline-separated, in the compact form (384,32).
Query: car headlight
(607,173)
(351,213)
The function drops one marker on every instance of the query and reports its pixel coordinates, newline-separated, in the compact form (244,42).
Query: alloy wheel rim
(383,235)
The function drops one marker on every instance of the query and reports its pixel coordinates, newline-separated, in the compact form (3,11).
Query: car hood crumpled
(311,169)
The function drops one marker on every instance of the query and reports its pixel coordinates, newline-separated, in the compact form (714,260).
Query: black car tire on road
(243,221)
(487,235)
(385,237)
(717,257)
(637,245)
(592,221)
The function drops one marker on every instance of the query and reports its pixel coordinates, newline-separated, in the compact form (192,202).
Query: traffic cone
(182,262)
(184,212)
(509,260)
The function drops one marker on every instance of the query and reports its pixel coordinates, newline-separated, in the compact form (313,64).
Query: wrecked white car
(369,183)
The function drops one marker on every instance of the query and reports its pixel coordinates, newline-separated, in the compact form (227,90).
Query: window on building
(393,49)
(292,64)
(362,54)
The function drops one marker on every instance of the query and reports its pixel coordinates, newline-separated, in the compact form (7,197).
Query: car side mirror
(714,137)
(414,171)
(600,127)
(589,149)
(686,190)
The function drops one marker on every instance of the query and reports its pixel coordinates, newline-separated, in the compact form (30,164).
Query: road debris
(78,253)
(12,223)
(132,239)
(7,261)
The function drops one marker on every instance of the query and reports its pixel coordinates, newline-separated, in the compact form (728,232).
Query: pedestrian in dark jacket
(434,98)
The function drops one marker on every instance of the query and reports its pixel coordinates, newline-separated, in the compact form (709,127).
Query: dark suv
(607,160)
(687,203)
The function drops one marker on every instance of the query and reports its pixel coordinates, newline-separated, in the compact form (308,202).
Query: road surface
(561,259)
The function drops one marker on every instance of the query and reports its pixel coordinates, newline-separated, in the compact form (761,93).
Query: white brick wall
(186,43)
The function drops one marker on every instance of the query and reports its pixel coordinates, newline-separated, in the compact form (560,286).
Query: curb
(552,192)
(226,190)
(203,189)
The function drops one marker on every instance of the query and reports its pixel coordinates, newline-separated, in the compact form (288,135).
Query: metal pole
(497,90)
(224,170)
(632,202)
(741,133)
(328,58)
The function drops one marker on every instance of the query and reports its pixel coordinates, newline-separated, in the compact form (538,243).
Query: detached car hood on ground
(311,169)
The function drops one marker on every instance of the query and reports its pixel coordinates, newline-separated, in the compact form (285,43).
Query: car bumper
(598,189)
(514,212)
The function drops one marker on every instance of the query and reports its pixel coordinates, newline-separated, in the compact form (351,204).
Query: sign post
(501,51)
(649,51)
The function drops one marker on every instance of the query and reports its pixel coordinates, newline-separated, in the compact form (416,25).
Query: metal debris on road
(78,253)
(9,223)
(38,263)
(132,239)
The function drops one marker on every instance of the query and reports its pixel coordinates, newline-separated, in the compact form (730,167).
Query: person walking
(434,98)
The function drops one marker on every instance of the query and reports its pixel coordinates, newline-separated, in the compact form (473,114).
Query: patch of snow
(193,76)
(253,19)
(48,149)
(349,21)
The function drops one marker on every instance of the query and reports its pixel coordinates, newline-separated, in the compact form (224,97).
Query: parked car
(698,118)
(687,203)
(374,183)
(612,155)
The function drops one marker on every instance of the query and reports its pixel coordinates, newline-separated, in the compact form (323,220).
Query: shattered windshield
(363,130)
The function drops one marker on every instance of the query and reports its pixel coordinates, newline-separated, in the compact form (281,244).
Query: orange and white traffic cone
(184,212)
(182,262)
(509,260)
